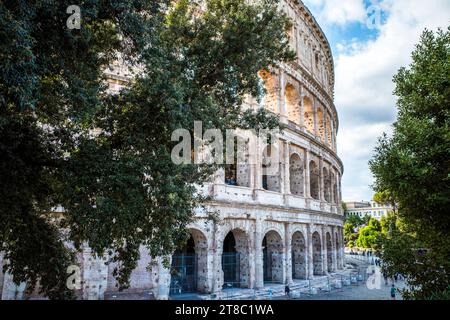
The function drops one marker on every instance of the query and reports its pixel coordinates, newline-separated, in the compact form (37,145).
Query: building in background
(367,208)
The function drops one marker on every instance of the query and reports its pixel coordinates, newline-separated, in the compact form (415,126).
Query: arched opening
(235,263)
(292,102)
(317,254)
(270,99)
(273,257)
(270,169)
(320,124)
(314,180)
(189,266)
(298,256)
(326,185)
(296,175)
(308,114)
(238,172)
(329,253)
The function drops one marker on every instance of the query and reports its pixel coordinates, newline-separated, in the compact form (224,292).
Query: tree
(366,219)
(106,157)
(350,235)
(385,198)
(369,236)
(355,221)
(414,165)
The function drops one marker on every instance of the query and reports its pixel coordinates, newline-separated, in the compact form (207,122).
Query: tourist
(385,278)
(393,291)
(287,291)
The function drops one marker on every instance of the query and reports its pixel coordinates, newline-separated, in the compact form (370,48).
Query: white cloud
(339,12)
(364,71)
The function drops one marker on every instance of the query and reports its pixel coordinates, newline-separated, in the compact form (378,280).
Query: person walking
(393,291)
(385,278)
(287,291)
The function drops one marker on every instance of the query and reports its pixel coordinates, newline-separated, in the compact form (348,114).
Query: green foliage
(369,236)
(385,198)
(366,219)
(355,221)
(350,235)
(120,189)
(414,165)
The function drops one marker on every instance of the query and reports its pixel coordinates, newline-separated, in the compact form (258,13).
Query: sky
(370,40)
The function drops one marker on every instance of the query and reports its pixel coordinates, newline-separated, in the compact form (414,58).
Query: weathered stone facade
(272,228)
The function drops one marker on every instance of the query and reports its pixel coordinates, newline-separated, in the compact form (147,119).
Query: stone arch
(292,102)
(308,114)
(299,264)
(235,259)
(270,170)
(189,266)
(314,180)
(329,252)
(317,254)
(320,124)
(270,99)
(326,185)
(273,257)
(296,175)
(238,172)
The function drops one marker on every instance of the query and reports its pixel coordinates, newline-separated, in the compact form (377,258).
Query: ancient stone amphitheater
(273,229)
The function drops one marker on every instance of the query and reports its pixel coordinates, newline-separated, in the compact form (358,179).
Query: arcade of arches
(245,259)
(316,179)
(299,108)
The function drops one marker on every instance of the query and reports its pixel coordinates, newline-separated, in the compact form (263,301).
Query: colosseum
(272,229)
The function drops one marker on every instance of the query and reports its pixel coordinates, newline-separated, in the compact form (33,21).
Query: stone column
(287,178)
(11,291)
(316,126)
(259,267)
(95,275)
(217,272)
(332,185)
(324,251)
(310,253)
(335,249)
(333,135)
(307,176)
(338,186)
(341,249)
(321,182)
(162,289)
(281,95)
(282,167)
(302,109)
(258,165)
(288,253)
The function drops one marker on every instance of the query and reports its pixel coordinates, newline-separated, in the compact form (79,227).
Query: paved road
(360,292)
